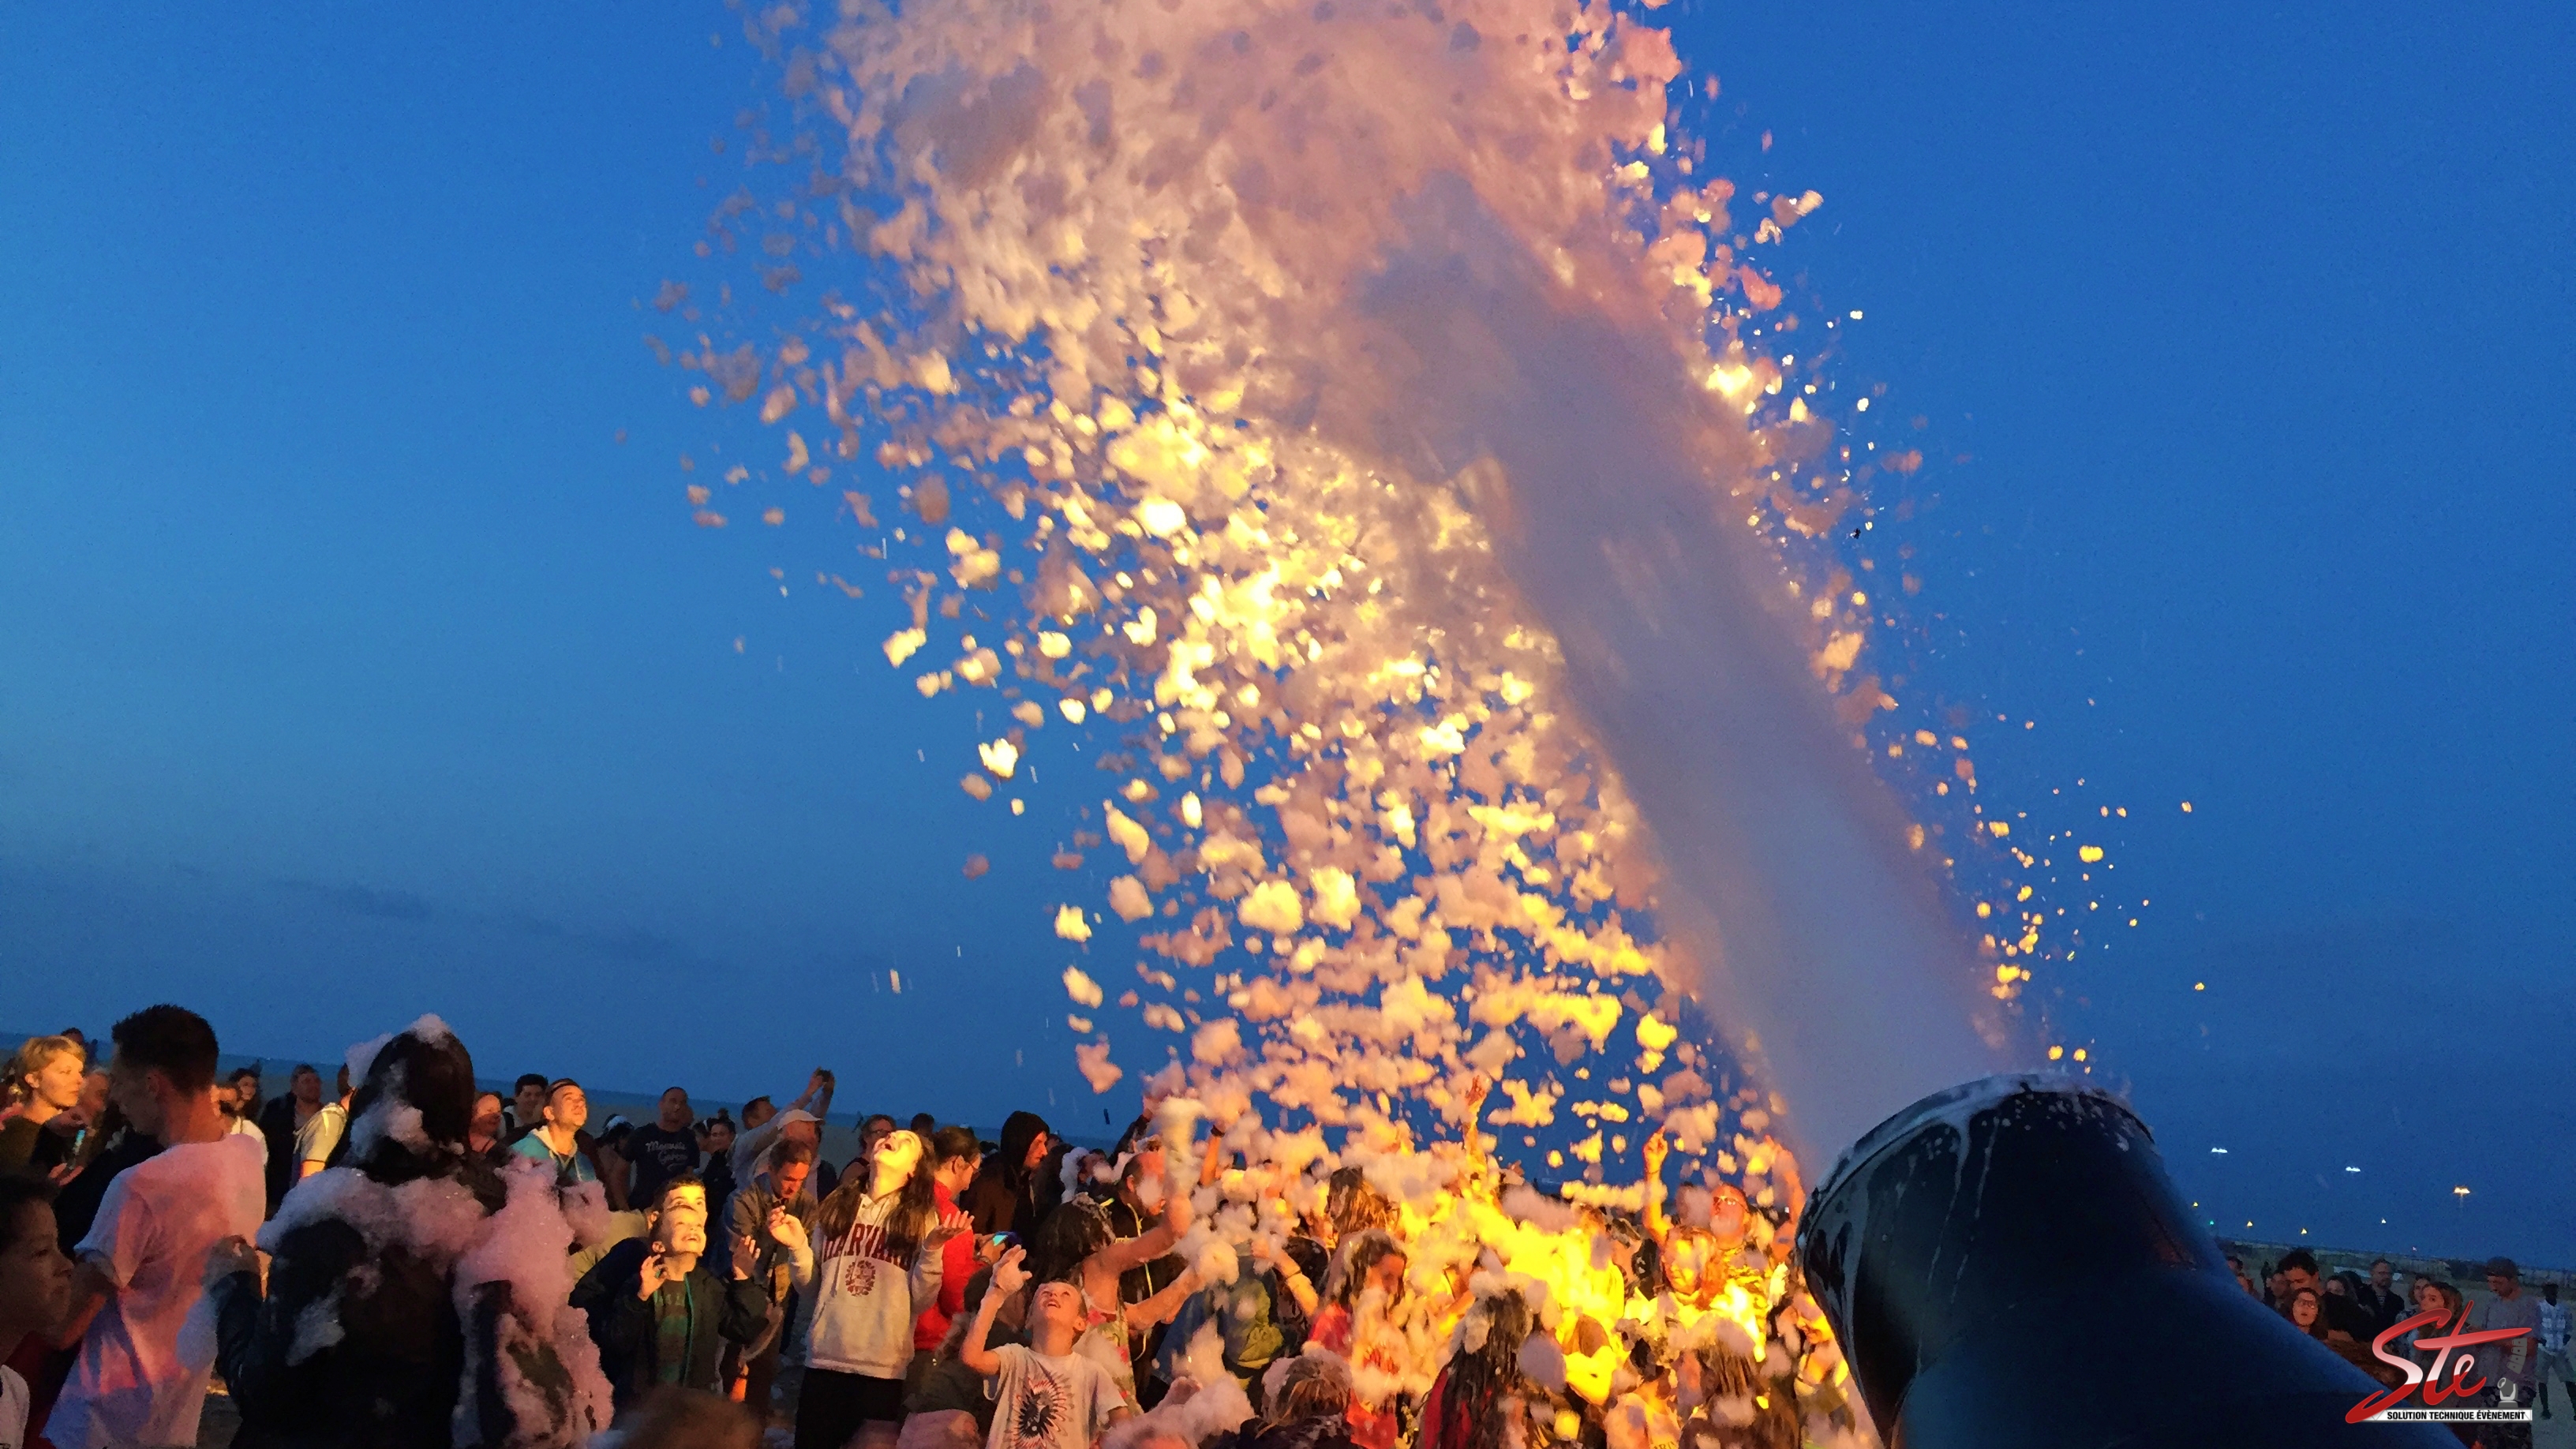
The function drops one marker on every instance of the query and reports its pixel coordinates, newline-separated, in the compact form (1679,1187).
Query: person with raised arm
(1076,1245)
(812,1106)
(1046,1395)
(1135,1207)
(1698,1258)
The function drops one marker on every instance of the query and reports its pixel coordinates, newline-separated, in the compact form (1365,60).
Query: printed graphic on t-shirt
(1046,1403)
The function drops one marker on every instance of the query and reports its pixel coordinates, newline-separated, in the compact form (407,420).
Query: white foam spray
(1368,387)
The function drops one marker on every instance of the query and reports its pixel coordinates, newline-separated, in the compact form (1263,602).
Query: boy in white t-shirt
(143,1367)
(35,1287)
(1045,1396)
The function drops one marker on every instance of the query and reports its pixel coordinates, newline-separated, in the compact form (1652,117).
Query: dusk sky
(354,667)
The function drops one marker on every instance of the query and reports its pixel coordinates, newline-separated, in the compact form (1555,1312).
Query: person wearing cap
(753,1142)
(555,1143)
(2510,1365)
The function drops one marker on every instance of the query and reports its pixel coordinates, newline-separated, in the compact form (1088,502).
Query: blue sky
(354,666)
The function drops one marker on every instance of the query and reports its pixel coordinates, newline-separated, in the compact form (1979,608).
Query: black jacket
(366,1346)
(391,1377)
(277,1123)
(2384,1305)
(76,1206)
(621,1323)
(1005,1197)
(395,1377)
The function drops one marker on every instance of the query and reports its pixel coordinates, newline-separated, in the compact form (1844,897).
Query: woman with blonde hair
(43,1082)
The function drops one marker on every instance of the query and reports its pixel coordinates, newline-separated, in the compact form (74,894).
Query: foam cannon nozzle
(2007,1267)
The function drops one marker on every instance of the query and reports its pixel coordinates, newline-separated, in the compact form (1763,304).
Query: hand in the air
(656,1271)
(787,1230)
(1010,1273)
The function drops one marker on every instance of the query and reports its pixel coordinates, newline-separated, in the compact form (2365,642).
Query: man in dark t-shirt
(663,1148)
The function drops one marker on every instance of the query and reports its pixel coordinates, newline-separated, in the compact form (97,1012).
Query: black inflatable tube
(2007,1266)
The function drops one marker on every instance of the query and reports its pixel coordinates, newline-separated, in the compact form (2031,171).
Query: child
(1046,1396)
(660,1312)
(35,1286)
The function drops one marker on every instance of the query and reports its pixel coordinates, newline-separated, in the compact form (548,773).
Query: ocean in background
(840,1127)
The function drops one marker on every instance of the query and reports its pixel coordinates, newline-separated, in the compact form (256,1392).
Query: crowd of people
(404,1258)
(2349,1309)
(408,1259)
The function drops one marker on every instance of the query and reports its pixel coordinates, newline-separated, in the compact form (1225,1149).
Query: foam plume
(1371,396)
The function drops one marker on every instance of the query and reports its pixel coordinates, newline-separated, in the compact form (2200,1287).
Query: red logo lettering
(2435,1391)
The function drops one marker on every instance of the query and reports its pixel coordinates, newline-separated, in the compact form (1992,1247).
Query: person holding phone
(657,1310)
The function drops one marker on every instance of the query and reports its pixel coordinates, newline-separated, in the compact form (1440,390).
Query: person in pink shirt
(143,1366)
